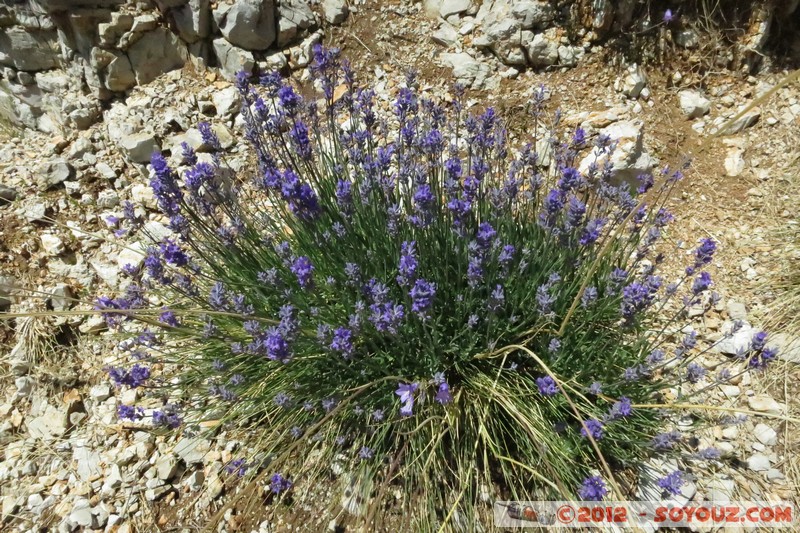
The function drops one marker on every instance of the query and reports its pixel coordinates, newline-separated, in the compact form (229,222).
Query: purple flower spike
(279,484)
(593,489)
(672,483)
(303,269)
(593,427)
(547,386)
(406,393)
(444,396)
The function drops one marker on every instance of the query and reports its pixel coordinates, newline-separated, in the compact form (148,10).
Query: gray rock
(694,104)
(454,7)
(335,11)
(83,517)
(788,347)
(101,392)
(110,32)
(192,450)
(193,20)
(467,70)
(634,82)
(739,342)
(166,467)
(51,425)
(51,173)
(28,50)
(532,14)
(226,102)
(248,24)
(687,38)
(232,59)
(446,35)
(293,17)
(734,163)
(158,51)
(139,147)
(542,51)
(119,75)
(765,435)
(758,462)
(737,126)
(24,386)
(736,310)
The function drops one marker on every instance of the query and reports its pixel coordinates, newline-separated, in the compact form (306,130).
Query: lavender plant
(402,288)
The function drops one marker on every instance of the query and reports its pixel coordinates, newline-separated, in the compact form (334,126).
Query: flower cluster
(410,284)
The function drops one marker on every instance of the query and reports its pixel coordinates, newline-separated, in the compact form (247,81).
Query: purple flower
(758,341)
(485,236)
(672,483)
(365,453)
(343,342)
(695,372)
(666,441)
(547,386)
(701,283)
(167,417)
(128,412)
(595,388)
(135,377)
(172,253)
(589,296)
(554,346)
(620,409)
(705,252)
(283,400)
(443,396)
(406,393)
(279,484)
(593,489)
(276,346)
(668,16)
(422,296)
(496,299)
(303,269)
(592,427)
(238,466)
(709,454)
(168,317)
(408,263)
(378,415)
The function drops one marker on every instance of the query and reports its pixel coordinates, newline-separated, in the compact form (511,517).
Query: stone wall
(61,59)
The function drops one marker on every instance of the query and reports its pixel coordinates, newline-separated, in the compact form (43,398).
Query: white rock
(51,173)
(736,310)
(446,35)
(226,102)
(467,70)
(766,404)
(634,82)
(140,146)
(734,163)
(542,50)
(133,254)
(694,104)
(765,435)
(454,7)
(101,392)
(83,517)
(335,11)
(192,450)
(232,59)
(758,462)
(248,24)
(739,342)
(52,244)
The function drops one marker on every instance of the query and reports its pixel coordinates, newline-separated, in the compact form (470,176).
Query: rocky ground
(69,464)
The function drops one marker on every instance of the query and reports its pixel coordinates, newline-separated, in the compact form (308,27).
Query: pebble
(765,434)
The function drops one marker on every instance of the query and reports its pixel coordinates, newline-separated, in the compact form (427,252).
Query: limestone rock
(232,59)
(248,24)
